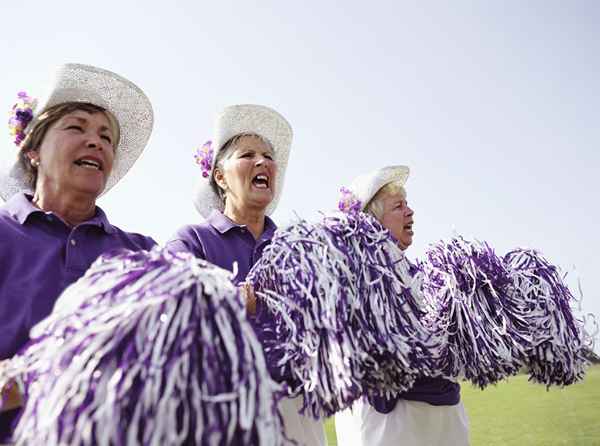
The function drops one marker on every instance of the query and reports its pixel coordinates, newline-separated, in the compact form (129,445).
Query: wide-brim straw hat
(241,119)
(124,100)
(364,187)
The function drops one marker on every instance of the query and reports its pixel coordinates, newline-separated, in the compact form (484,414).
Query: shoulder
(8,221)
(192,238)
(134,239)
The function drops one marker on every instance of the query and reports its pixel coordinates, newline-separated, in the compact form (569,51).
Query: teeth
(88,163)
(261,181)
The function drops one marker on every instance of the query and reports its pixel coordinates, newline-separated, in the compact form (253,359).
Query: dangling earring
(35,162)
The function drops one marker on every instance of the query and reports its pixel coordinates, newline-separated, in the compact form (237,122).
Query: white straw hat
(83,83)
(364,187)
(236,120)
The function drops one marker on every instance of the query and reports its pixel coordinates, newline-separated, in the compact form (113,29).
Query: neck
(71,207)
(253,219)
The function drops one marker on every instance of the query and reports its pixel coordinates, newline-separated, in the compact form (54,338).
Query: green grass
(519,413)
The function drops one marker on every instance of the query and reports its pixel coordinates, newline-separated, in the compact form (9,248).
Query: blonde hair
(375,206)
(36,136)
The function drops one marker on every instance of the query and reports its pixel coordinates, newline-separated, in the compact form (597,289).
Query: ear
(220,178)
(33,155)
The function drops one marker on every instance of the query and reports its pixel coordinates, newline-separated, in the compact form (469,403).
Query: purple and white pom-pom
(344,310)
(147,348)
(499,315)
(465,285)
(540,307)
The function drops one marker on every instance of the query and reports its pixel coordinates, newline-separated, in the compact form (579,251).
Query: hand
(248,293)
(11,397)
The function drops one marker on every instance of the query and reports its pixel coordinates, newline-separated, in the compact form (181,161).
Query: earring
(35,162)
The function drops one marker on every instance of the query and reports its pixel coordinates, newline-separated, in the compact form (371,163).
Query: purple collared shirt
(40,257)
(223,242)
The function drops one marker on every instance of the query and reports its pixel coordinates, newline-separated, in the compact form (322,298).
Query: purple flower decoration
(204,158)
(348,202)
(20,116)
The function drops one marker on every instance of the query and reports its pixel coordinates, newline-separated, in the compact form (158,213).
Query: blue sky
(493,105)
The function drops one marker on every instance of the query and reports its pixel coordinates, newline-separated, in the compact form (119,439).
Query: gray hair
(375,206)
(225,153)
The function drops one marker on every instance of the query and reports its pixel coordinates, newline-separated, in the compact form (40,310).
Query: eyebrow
(85,121)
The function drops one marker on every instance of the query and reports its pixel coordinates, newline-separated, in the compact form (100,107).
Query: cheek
(394,223)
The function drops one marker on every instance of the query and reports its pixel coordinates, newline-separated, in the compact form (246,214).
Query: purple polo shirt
(41,256)
(223,242)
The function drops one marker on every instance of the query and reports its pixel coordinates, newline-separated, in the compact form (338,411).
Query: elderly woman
(431,412)
(71,147)
(238,188)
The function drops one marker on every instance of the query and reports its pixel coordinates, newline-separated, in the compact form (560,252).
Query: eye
(106,138)
(76,127)
(247,155)
(269,156)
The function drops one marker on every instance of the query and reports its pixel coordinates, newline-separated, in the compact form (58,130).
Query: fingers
(248,290)
(11,397)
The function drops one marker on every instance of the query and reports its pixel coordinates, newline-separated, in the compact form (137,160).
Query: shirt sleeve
(186,240)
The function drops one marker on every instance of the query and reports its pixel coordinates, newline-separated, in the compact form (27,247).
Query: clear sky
(493,105)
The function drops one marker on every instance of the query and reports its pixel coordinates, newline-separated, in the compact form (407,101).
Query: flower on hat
(204,158)
(20,116)
(348,202)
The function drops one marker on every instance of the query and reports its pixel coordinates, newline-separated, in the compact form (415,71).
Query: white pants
(348,425)
(302,428)
(410,423)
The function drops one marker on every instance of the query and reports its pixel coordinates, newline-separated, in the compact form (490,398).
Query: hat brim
(240,119)
(366,186)
(83,83)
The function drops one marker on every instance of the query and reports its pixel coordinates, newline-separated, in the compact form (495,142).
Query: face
(398,218)
(76,153)
(248,175)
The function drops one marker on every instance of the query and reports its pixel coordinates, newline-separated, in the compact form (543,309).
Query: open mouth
(261,181)
(409,227)
(89,163)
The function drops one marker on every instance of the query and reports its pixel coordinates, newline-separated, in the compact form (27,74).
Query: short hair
(226,152)
(375,206)
(35,137)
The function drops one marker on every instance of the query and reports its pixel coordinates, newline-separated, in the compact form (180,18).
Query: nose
(94,142)
(409,211)
(260,160)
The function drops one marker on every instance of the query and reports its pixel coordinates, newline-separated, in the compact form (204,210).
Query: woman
(430,413)
(73,146)
(239,187)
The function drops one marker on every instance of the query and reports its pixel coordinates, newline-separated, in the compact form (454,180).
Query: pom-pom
(147,348)
(465,286)
(540,306)
(343,310)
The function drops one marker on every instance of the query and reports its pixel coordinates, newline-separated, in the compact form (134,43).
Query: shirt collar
(223,224)
(20,207)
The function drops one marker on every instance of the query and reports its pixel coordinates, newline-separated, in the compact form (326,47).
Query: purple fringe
(343,310)
(465,283)
(500,315)
(350,315)
(540,308)
(147,348)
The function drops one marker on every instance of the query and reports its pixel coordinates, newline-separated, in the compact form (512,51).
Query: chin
(263,202)
(92,189)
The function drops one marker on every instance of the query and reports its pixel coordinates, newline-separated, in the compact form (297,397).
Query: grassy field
(518,413)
